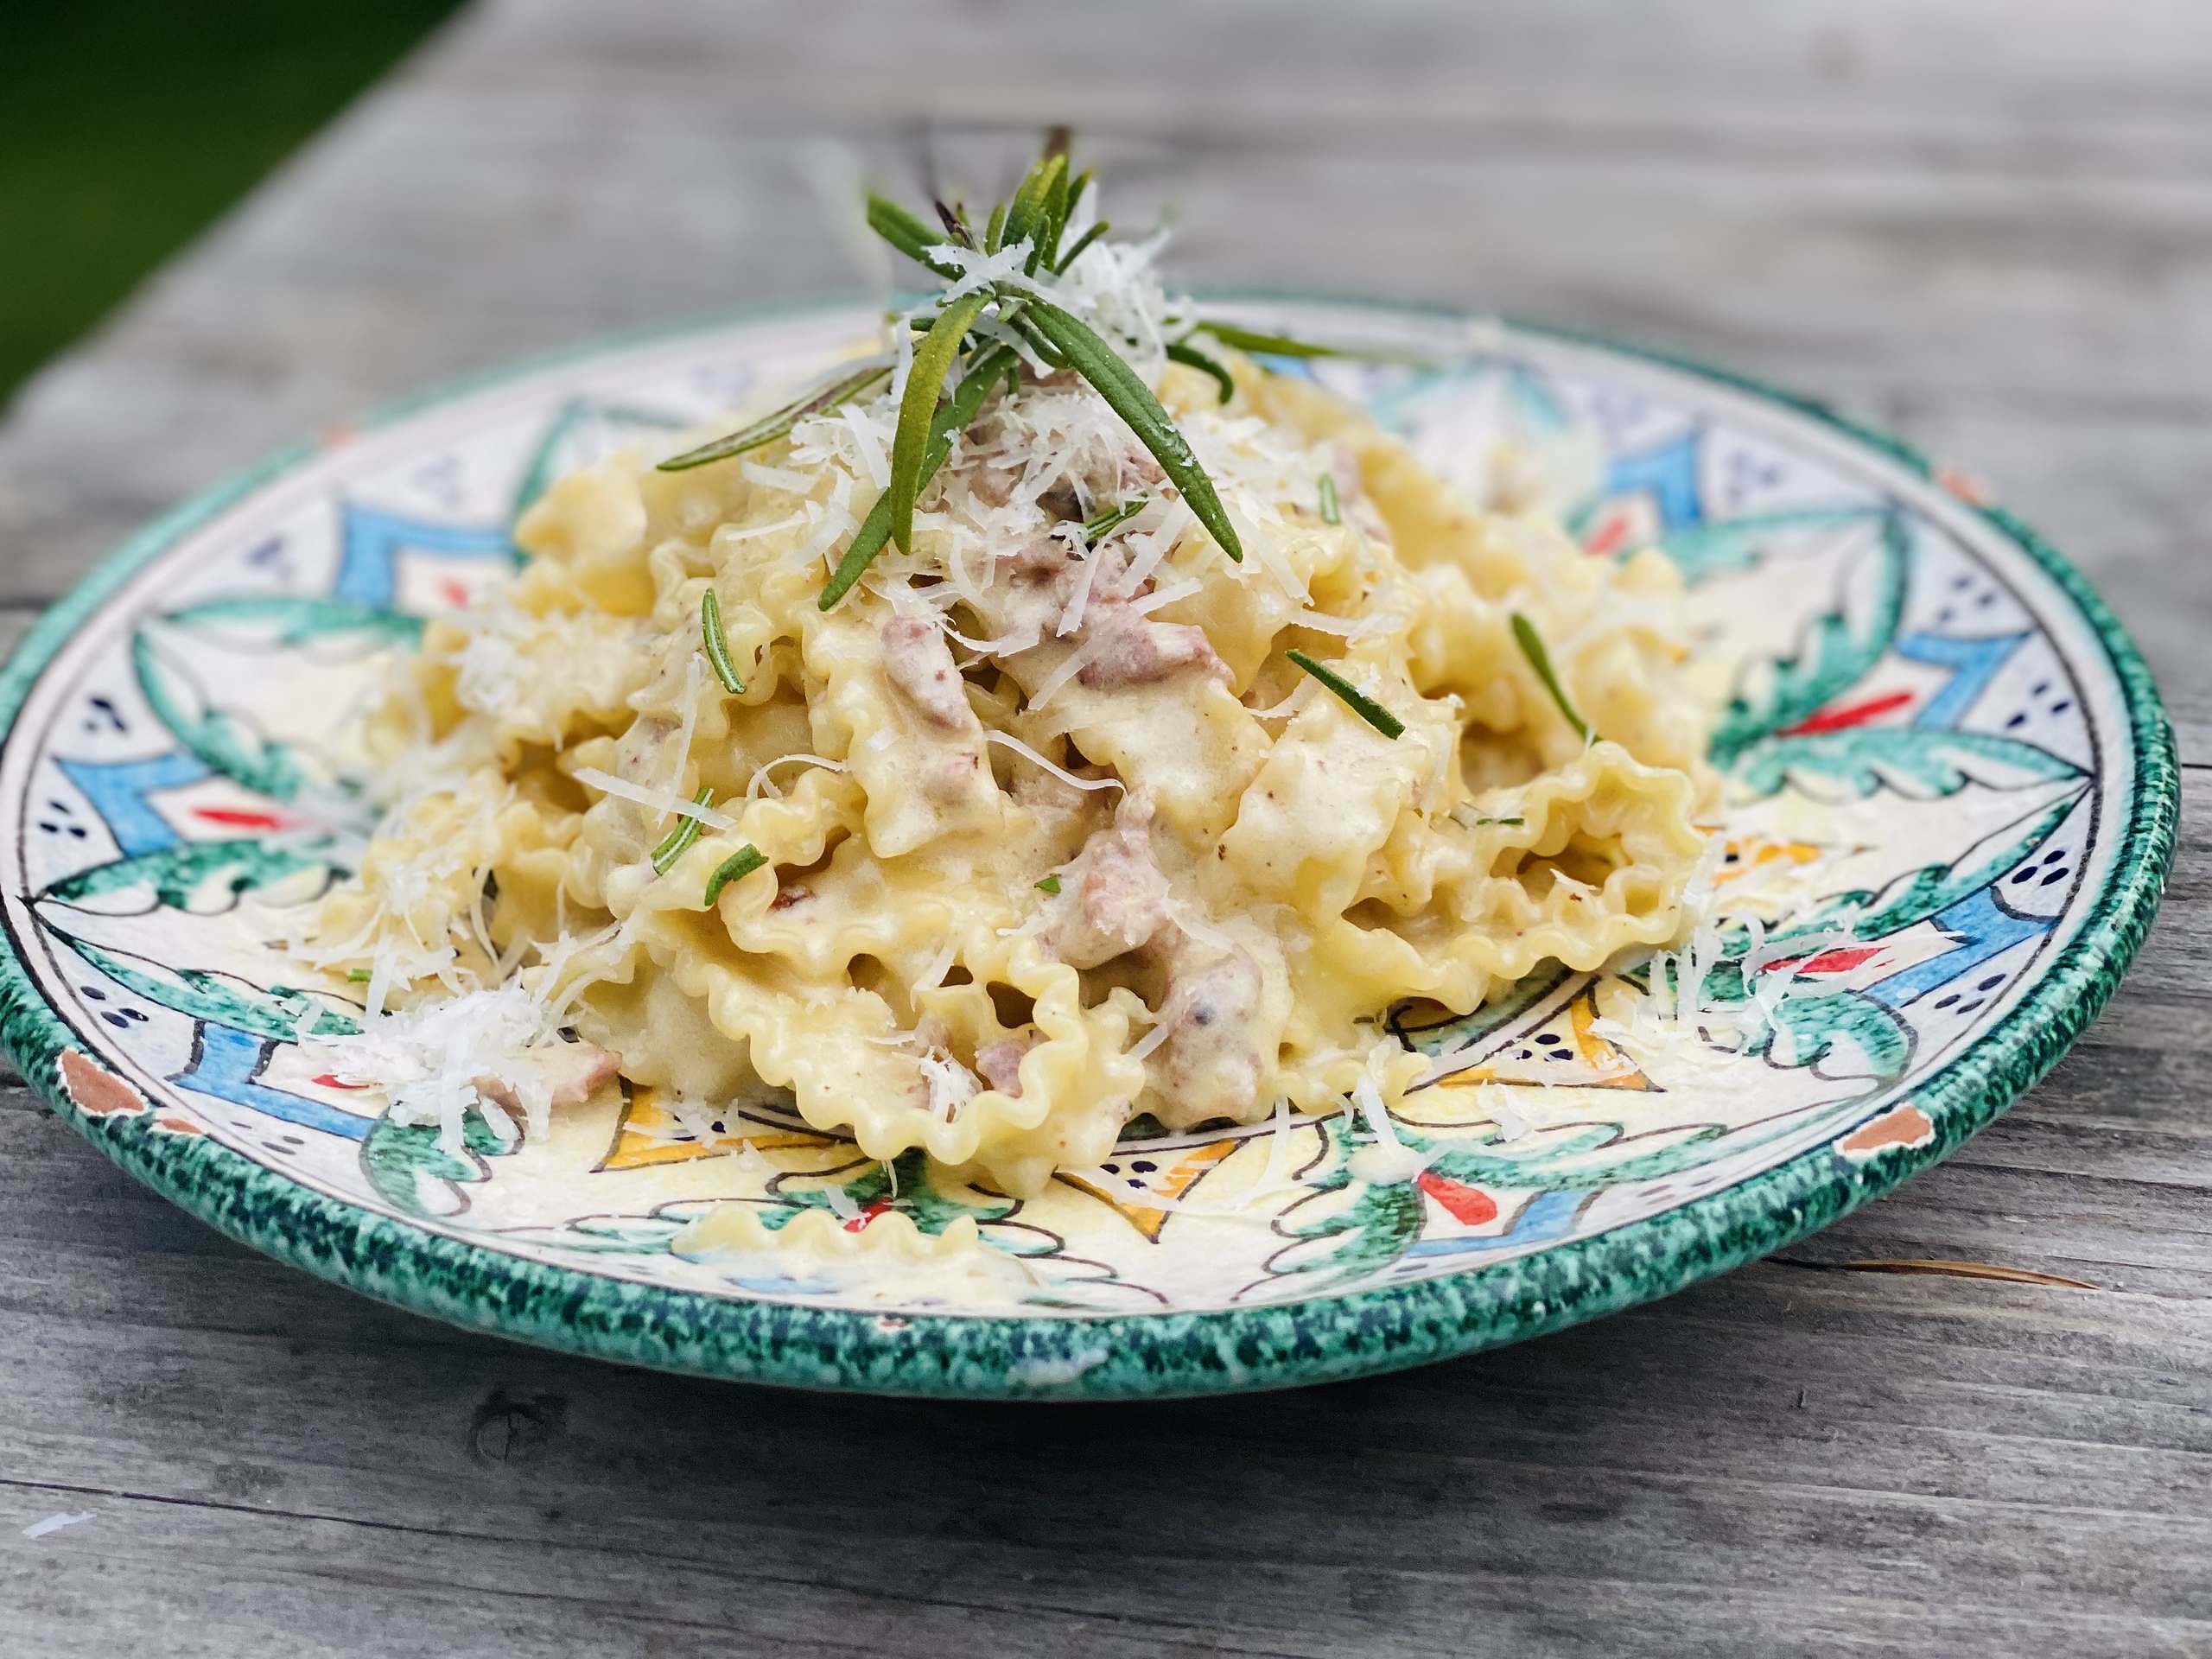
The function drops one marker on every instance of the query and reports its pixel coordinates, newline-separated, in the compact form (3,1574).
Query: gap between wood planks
(1939,1266)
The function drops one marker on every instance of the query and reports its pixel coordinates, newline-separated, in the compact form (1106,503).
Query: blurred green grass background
(126,128)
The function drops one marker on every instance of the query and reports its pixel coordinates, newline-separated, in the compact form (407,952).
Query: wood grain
(1988,224)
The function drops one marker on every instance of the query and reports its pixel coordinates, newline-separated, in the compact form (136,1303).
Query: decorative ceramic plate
(1956,734)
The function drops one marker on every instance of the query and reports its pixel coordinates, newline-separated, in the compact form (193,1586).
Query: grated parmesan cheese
(1007,740)
(666,800)
(779,478)
(761,780)
(1388,1160)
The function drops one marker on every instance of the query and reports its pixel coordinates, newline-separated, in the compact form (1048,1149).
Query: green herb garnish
(1183,352)
(717,645)
(1476,823)
(359,976)
(1251,339)
(1130,398)
(973,335)
(1266,345)
(1077,247)
(907,234)
(1036,214)
(1051,884)
(769,428)
(1097,530)
(680,838)
(1330,514)
(739,865)
(952,418)
(1359,702)
(918,407)
(1532,647)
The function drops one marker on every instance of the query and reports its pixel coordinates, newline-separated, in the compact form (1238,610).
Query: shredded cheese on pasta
(1123,857)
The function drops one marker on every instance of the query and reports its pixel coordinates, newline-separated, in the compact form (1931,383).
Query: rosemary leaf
(1532,647)
(739,865)
(1054,358)
(680,838)
(907,233)
(1250,339)
(1247,340)
(717,643)
(1330,514)
(995,230)
(925,381)
(1025,215)
(1051,884)
(769,428)
(359,975)
(1183,352)
(1055,218)
(1359,702)
(1097,230)
(1130,398)
(952,418)
(1097,530)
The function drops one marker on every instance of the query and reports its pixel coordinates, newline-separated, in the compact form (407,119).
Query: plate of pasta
(1066,840)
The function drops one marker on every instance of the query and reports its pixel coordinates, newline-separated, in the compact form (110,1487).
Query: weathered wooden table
(1988,224)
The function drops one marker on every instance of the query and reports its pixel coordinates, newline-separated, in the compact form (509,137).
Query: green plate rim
(1324,1337)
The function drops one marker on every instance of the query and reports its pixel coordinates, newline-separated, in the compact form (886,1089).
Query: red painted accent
(1469,1205)
(330,1082)
(455,594)
(239,818)
(867,1215)
(1850,714)
(1839,961)
(1608,535)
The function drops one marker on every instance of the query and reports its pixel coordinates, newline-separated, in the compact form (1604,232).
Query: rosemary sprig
(769,428)
(680,838)
(1035,218)
(1038,214)
(1051,884)
(1183,352)
(1251,339)
(739,865)
(1532,647)
(717,643)
(1097,530)
(1359,702)
(952,418)
(1130,398)
(1267,345)
(918,407)
(1330,514)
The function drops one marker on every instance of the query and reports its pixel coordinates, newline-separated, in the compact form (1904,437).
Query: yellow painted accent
(642,1138)
(1180,1179)
(1594,1051)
